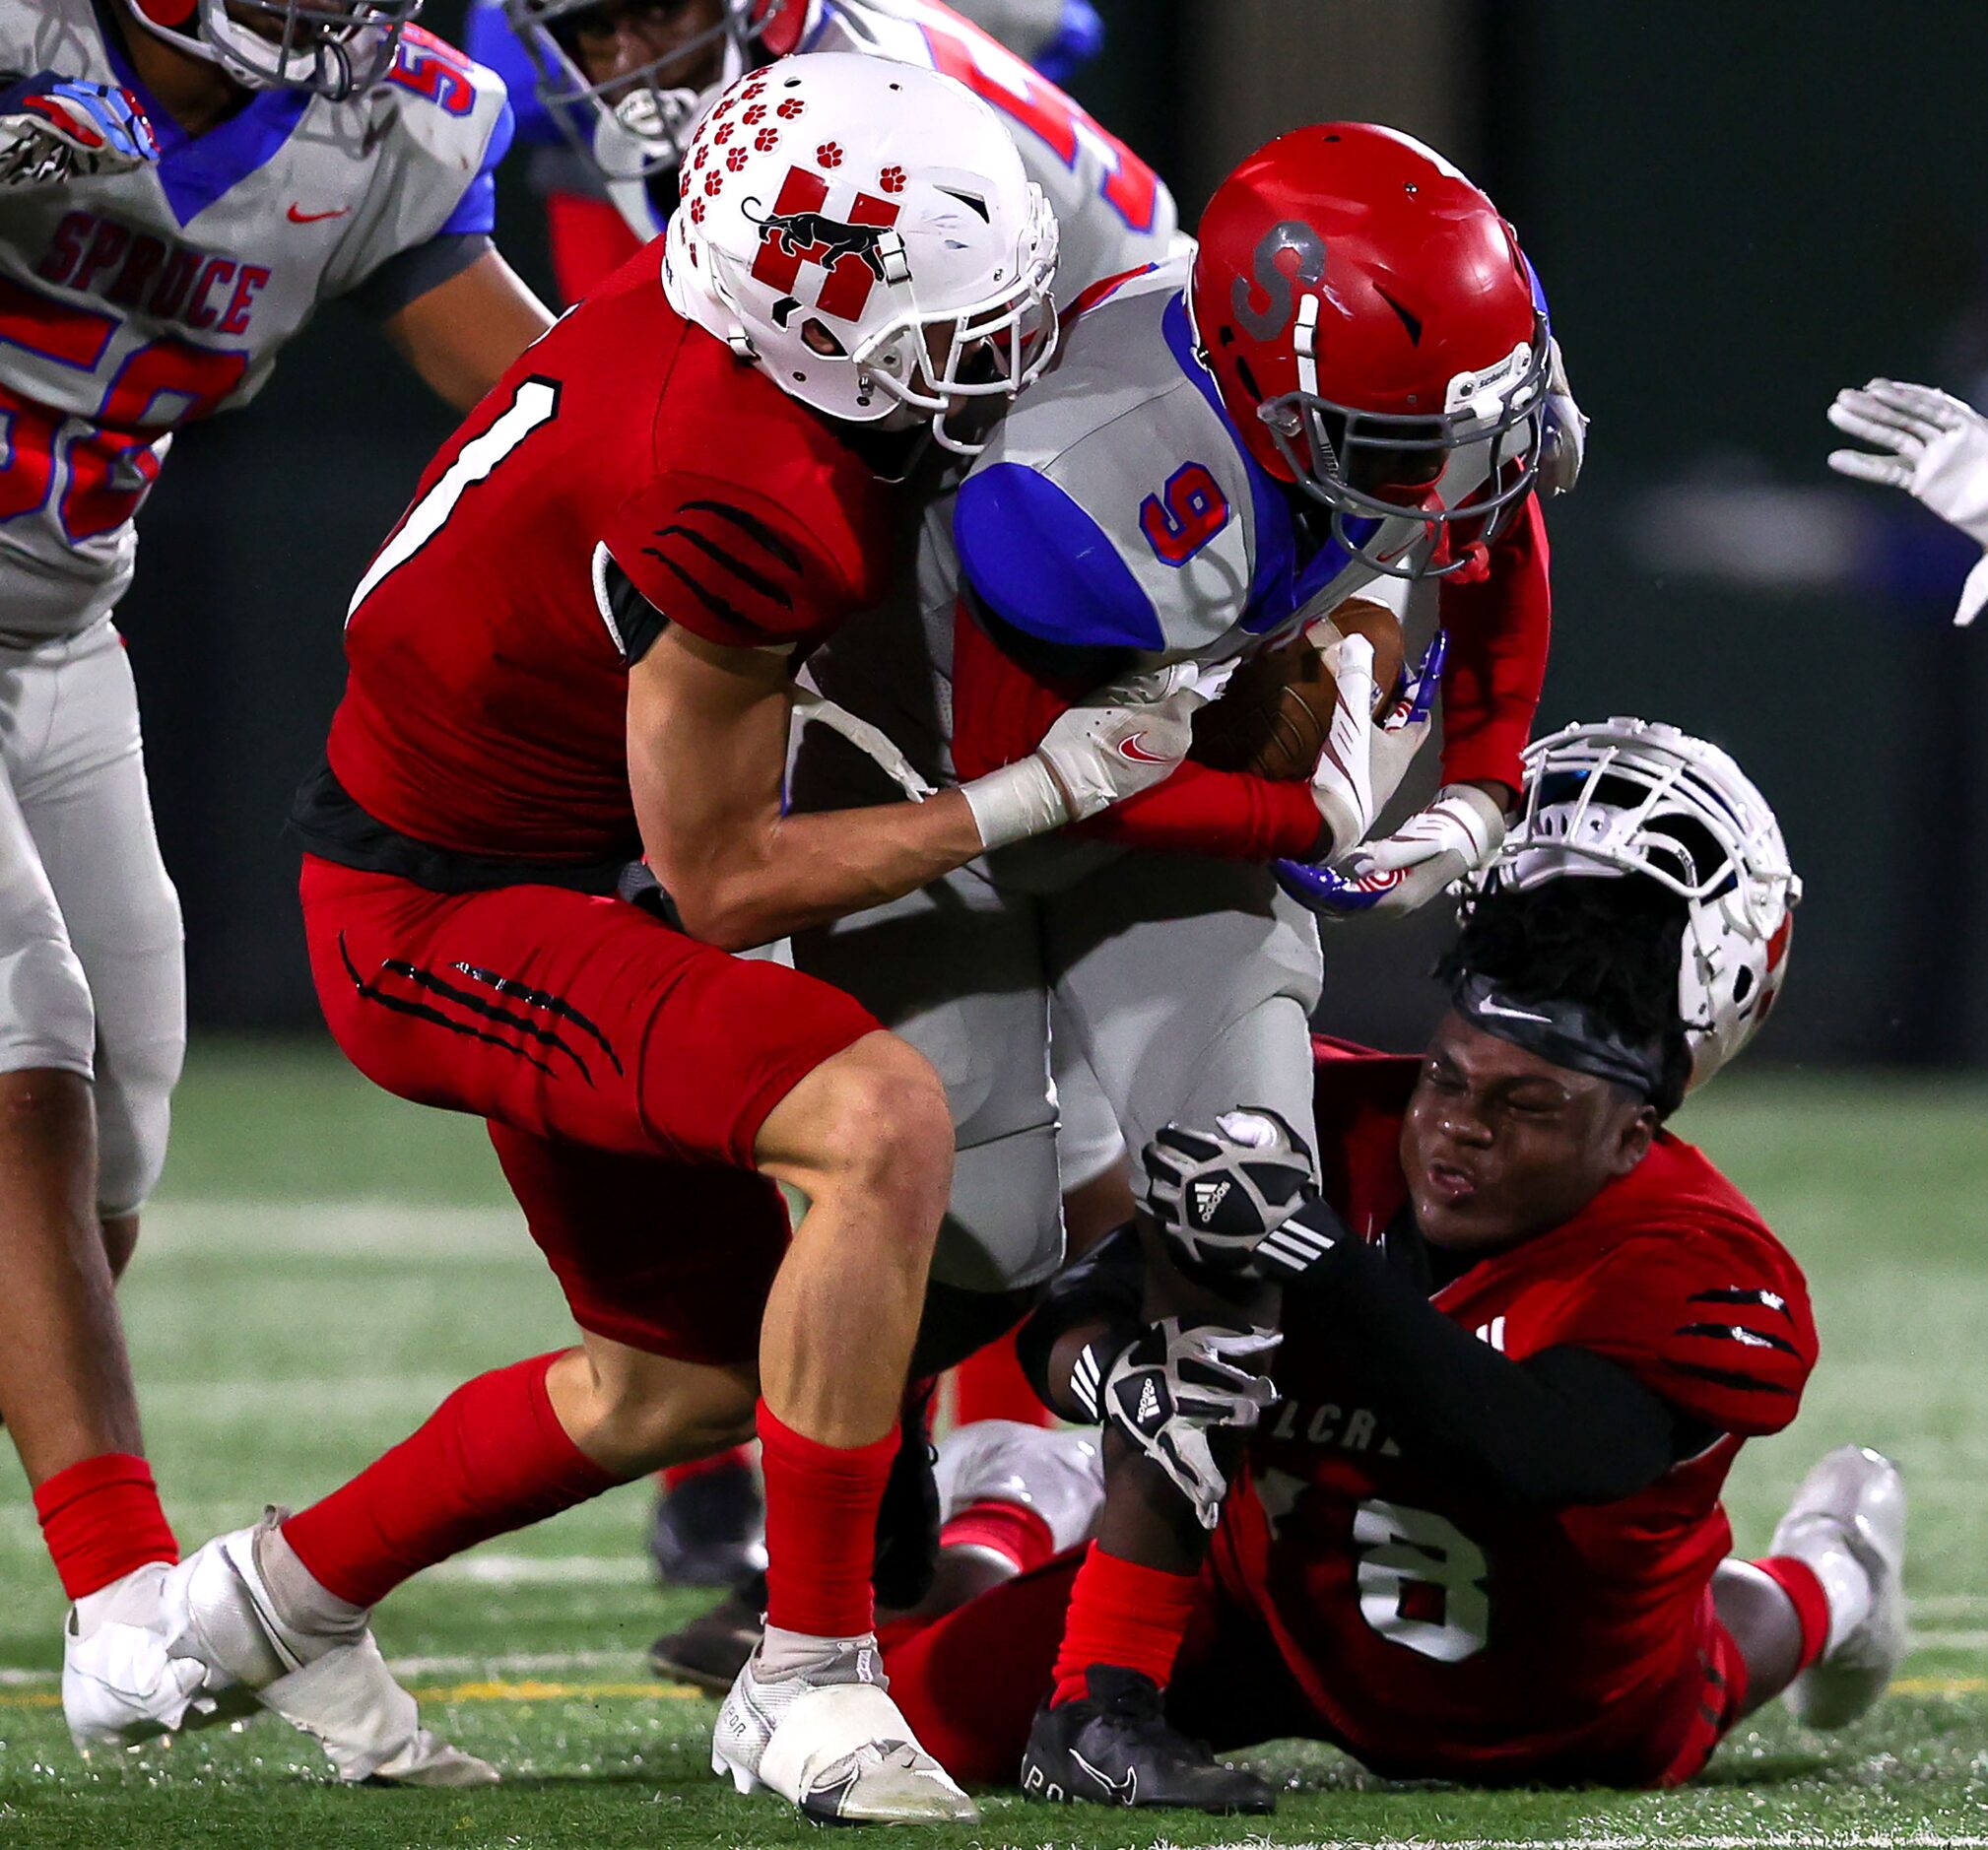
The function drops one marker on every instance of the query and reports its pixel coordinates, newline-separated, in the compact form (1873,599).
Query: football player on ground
(575,648)
(1346,390)
(182,182)
(1527,1331)
(619,86)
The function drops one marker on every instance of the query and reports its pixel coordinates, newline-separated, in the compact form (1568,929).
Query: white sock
(784,1653)
(303,1601)
(1846,1582)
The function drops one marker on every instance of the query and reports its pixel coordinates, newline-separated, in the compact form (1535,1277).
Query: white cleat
(831,1742)
(335,1688)
(1058,1473)
(123,1680)
(1851,1503)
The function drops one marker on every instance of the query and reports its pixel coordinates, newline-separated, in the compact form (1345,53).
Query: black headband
(1563,1033)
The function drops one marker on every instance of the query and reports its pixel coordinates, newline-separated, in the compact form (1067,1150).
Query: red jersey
(1434,1629)
(625,473)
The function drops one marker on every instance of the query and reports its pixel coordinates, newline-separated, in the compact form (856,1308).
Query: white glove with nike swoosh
(1456,834)
(1117,742)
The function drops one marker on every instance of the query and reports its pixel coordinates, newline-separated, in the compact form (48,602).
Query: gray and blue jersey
(133,303)
(1117,507)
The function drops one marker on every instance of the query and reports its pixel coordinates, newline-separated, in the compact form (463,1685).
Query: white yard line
(335,1229)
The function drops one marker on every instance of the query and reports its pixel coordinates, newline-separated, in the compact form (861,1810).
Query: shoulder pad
(1043,565)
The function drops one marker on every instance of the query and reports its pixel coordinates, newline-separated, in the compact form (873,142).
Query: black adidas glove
(1215,1194)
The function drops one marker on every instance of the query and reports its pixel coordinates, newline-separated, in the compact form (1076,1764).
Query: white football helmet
(640,122)
(334,49)
(1634,796)
(866,233)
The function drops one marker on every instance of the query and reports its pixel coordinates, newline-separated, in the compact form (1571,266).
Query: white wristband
(1016,802)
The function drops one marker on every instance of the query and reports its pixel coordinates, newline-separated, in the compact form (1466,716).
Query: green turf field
(325,1263)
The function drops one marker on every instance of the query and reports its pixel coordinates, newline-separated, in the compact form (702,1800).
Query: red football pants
(625,1070)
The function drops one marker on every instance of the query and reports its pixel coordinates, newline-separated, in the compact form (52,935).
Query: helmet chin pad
(167,13)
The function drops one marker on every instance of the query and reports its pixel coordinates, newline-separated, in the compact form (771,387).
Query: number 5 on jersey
(535,402)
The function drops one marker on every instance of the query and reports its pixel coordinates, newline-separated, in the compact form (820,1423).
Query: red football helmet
(1370,324)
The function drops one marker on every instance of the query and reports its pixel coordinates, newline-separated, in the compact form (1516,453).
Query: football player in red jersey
(1527,1332)
(576,649)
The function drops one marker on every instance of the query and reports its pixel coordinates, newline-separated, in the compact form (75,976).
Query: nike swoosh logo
(297,216)
(1130,747)
(1124,1791)
(1516,1015)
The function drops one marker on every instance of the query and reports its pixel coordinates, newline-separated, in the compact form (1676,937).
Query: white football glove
(1342,782)
(1565,444)
(1456,834)
(1174,1386)
(1119,741)
(1936,448)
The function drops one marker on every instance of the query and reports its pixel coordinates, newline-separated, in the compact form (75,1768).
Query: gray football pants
(91,966)
(1189,985)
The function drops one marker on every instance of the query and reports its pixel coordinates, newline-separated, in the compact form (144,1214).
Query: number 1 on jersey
(535,402)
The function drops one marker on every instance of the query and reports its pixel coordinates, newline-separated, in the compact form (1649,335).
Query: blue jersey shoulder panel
(1043,565)
(476,211)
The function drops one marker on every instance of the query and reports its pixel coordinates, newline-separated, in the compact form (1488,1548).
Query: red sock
(821,1529)
(1799,1581)
(100,1519)
(990,1385)
(1017,1534)
(1125,1615)
(732,1458)
(491,1458)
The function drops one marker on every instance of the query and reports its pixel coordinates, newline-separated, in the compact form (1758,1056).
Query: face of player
(621,37)
(1499,1145)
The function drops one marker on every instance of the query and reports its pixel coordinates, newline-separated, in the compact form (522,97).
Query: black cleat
(710,1651)
(1115,1747)
(706,1531)
(907,1518)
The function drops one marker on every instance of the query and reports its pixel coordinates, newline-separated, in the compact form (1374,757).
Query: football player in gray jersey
(181,184)
(626,81)
(1348,390)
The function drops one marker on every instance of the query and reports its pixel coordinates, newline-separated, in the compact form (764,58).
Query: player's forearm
(1231,815)
(1565,1427)
(779,877)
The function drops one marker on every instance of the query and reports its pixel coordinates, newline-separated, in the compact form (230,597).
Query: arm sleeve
(726,562)
(1002,709)
(413,273)
(1499,629)
(1564,1425)
(1104,1292)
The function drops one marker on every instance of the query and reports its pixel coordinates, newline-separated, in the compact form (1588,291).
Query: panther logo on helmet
(874,310)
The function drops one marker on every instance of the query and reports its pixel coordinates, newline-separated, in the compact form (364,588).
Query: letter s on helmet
(1370,324)
(1634,796)
(865,232)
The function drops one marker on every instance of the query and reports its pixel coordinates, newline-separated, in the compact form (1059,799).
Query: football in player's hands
(1276,713)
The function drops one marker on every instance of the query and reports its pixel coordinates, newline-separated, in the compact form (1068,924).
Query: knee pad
(134,1112)
(46,1016)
